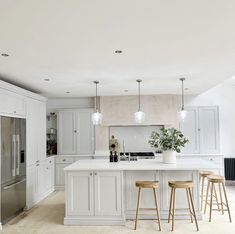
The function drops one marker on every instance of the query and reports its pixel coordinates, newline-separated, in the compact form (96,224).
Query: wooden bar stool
(202,177)
(187,185)
(152,185)
(212,181)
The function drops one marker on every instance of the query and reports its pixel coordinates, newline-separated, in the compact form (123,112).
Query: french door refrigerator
(13,166)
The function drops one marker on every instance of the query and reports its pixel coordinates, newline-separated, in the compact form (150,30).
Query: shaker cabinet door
(190,129)
(85,133)
(67,132)
(81,193)
(108,195)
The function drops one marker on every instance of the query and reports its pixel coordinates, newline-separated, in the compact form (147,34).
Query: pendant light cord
(139,95)
(96,99)
(182,96)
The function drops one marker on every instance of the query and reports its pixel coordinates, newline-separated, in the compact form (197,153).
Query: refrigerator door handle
(14,184)
(18,155)
(13,156)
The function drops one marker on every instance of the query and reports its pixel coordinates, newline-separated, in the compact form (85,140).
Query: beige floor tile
(47,218)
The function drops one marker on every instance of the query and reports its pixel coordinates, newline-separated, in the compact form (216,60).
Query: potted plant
(170,141)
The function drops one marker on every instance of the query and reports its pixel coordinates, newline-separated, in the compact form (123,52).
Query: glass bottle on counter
(115,156)
(111,156)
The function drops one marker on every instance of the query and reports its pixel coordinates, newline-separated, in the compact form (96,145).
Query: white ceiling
(72,42)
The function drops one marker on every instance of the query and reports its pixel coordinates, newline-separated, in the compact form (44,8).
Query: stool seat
(206,173)
(216,178)
(147,184)
(180,184)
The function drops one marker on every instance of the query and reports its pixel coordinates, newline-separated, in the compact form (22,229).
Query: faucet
(123,149)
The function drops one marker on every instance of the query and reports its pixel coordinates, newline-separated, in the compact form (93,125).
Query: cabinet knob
(64,160)
(95,173)
(91,174)
(14,111)
(37,164)
(75,131)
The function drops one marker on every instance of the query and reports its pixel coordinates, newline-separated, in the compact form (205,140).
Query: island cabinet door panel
(81,193)
(59,174)
(131,191)
(108,193)
(67,132)
(181,196)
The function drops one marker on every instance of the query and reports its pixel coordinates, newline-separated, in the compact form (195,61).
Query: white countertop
(144,164)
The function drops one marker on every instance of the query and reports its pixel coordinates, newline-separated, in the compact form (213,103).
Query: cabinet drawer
(64,160)
(13,103)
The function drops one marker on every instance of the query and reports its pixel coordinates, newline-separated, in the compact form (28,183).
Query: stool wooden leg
(221,198)
(189,205)
(207,193)
(156,204)
(192,204)
(170,207)
(216,198)
(202,191)
(173,210)
(226,200)
(137,209)
(211,202)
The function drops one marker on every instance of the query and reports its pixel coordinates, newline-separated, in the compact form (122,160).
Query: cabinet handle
(37,165)
(91,174)
(95,173)
(49,161)
(14,112)
(64,160)
(37,161)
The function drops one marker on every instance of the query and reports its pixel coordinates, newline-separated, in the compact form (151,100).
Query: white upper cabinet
(209,130)
(66,132)
(201,127)
(190,129)
(36,131)
(12,103)
(75,132)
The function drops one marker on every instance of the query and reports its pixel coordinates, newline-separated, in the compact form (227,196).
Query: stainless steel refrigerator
(13,166)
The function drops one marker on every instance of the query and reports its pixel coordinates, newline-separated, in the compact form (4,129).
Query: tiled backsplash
(135,137)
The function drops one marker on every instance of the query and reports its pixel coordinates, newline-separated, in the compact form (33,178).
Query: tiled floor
(47,217)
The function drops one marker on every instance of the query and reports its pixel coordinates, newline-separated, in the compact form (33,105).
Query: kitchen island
(101,193)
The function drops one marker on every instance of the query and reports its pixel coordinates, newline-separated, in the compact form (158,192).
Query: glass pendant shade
(182,115)
(139,117)
(96,118)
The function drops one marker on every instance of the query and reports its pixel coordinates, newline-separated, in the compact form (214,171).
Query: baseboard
(42,196)
(71,221)
(59,188)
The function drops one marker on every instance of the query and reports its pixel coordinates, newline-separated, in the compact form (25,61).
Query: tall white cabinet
(18,102)
(201,127)
(75,132)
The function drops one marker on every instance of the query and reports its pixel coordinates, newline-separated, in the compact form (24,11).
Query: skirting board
(93,222)
(43,196)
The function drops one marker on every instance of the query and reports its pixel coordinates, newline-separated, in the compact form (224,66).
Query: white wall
(223,96)
(67,103)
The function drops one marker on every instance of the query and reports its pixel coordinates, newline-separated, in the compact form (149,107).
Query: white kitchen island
(101,193)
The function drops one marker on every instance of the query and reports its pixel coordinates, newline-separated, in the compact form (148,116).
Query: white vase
(169,156)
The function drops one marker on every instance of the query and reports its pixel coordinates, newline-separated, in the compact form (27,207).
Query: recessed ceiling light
(46,79)
(5,55)
(67,92)
(118,51)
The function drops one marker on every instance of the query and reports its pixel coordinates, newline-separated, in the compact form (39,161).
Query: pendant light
(182,113)
(139,115)
(96,116)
